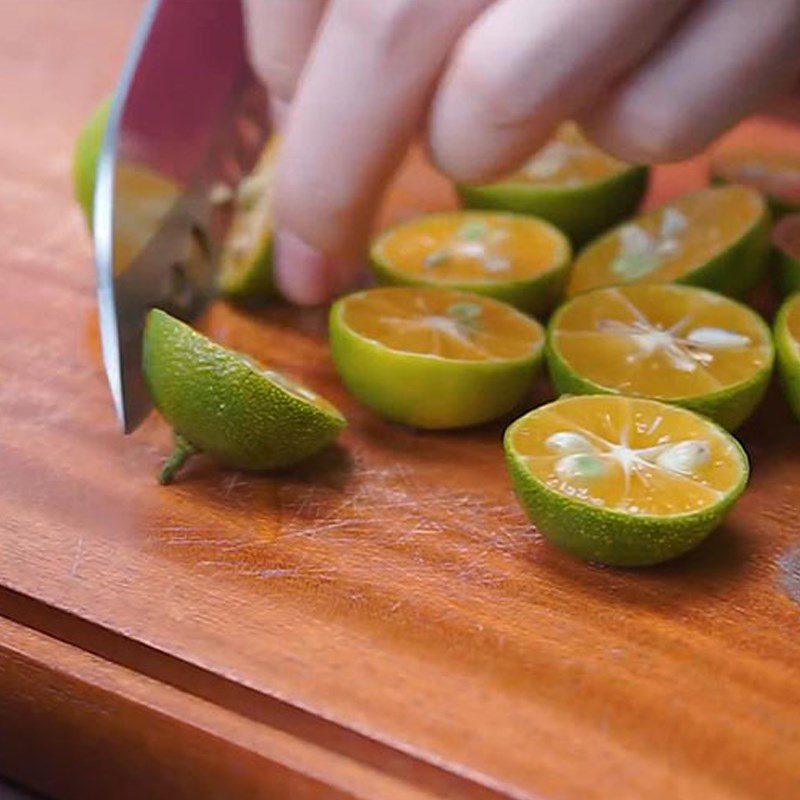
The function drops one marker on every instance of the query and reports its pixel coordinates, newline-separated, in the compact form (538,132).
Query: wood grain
(381,623)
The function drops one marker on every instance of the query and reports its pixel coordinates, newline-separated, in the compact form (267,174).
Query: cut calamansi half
(623,480)
(246,259)
(432,357)
(227,405)
(716,237)
(680,344)
(569,182)
(787,344)
(521,260)
(774,173)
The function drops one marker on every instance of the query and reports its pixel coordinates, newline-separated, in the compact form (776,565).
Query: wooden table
(380,624)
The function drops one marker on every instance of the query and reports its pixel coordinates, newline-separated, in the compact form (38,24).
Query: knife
(189,115)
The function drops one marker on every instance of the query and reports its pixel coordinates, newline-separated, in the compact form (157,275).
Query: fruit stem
(183,451)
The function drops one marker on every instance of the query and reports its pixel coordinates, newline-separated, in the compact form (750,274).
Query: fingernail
(303,274)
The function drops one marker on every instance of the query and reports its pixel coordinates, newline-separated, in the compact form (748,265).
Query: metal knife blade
(188,115)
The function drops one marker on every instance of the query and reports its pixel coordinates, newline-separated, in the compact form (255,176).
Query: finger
(524,67)
(280,34)
(363,93)
(728,59)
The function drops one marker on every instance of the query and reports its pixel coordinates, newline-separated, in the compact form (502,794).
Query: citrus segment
(680,344)
(246,261)
(227,405)
(787,343)
(774,173)
(622,480)
(433,357)
(716,237)
(518,259)
(786,241)
(570,183)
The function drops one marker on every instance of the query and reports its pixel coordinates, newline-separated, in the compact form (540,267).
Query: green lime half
(521,260)
(246,261)
(717,238)
(85,157)
(226,405)
(570,183)
(432,357)
(623,480)
(774,173)
(679,344)
(787,345)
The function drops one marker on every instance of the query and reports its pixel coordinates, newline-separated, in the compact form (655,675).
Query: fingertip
(303,274)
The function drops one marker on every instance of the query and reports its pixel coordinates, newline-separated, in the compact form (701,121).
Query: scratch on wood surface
(76,561)
(789,570)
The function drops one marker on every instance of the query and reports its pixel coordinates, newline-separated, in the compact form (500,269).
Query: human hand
(486,81)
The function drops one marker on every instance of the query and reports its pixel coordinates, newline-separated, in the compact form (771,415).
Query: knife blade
(188,116)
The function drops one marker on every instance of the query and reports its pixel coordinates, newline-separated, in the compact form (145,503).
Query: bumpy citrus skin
(426,391)
(729,407)
(222,404)
(608,536)
(85,157)
(582,211)
(788,354)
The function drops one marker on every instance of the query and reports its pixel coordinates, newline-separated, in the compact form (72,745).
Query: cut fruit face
(511,257)
(441,323)
(434,358)
(774,173)
(569,159)
(246,260)
(624,480)
(229,406)
(787,343)
(570,183)
(715,237)
(628,455)
(675,343)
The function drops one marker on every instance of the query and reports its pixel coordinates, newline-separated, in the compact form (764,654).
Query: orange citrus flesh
(636,456)
(477,247)
(569,158)
(661,340)
(441,322)
(144,197)
(775,173)
(669,242)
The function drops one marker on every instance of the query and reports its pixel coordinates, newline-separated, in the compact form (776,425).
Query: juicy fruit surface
(787,341)
(246,261)
(441,323)
(775,173)
(671,242)
(435,358)
(661,340)
(227,405)
(569,158)
(629,455)
(472,247)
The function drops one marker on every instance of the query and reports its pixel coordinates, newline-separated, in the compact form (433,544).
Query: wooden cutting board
(382,623)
